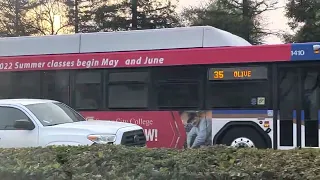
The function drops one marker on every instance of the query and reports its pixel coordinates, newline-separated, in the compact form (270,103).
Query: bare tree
(13,20)
(50,18)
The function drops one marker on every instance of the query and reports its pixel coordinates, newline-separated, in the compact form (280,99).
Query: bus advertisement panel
(186,129)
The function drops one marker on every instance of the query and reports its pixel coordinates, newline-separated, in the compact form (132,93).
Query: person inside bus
(200,133)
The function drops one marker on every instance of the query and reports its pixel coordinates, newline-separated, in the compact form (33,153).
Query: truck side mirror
(23,124)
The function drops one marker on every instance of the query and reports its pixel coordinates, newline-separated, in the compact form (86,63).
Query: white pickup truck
(38,122)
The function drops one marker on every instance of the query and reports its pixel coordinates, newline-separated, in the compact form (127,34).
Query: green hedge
(122,163)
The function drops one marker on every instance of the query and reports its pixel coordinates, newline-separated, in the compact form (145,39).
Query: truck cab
(39,122)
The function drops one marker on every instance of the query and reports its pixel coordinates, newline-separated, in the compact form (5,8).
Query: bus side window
(6,85)
(26,84)
(55,86)
(88,89)
(178,87)
(128,89)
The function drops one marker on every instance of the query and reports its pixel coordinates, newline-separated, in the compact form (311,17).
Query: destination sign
(238,73)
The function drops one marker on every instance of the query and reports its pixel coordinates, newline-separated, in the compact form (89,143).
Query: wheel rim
(242,142)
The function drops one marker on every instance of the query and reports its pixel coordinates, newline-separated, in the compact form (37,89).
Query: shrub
(124,163)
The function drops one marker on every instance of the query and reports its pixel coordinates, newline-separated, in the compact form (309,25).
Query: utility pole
(246,19)
(76,16)
(134,11)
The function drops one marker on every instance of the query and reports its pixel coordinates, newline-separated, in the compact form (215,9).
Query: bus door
(310,105)
(298,107)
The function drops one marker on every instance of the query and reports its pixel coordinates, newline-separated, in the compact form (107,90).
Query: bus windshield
(50,114)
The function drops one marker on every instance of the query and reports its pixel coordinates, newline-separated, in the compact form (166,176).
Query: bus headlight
(102,138)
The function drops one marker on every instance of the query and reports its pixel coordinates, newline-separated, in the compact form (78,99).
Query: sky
(275,20)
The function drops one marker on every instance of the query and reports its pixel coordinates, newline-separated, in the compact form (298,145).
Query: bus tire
(243,136)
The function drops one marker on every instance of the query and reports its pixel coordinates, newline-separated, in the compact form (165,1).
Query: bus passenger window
(55,86)
(178,95)
(178,87)
(128,96)
(128,89)
(88,89)
(26,85)
(6,85)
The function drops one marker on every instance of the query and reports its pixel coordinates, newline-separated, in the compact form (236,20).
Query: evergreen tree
(240,17)
(304,20)
(102,15)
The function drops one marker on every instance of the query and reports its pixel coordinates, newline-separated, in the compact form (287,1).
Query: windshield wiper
(58,124)
(54,124)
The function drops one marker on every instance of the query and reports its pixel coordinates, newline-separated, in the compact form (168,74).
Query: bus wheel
(242,142)
(243,137)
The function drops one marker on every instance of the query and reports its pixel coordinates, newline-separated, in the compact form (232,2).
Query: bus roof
(155,39)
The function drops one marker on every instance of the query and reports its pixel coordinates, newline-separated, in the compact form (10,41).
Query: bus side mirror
(23,124)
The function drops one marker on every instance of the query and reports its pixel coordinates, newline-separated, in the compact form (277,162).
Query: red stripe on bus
(266,53)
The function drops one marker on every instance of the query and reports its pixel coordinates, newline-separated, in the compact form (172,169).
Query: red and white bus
(167,80)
